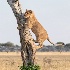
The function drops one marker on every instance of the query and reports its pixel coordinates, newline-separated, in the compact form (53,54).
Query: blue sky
(54,15)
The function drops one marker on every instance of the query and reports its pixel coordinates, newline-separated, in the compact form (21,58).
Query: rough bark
(28,47)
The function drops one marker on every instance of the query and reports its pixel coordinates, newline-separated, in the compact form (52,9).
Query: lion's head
(28,13)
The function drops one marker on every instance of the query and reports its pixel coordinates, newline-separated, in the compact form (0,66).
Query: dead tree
(28,47)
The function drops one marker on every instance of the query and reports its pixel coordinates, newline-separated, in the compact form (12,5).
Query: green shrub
(30,67)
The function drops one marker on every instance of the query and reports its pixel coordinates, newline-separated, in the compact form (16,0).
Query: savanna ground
(46,60)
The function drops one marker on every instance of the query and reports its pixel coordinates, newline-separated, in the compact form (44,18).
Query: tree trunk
(28,47)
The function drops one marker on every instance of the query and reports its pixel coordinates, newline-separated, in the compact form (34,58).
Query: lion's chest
(36,30)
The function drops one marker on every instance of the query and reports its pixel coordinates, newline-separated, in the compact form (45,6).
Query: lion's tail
(50,41)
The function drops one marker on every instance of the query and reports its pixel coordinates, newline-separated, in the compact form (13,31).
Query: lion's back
(39,31)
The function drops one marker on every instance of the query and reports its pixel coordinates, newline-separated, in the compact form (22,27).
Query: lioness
(36,27)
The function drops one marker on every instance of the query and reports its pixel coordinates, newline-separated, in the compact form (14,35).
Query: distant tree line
(9,47)
(59,47)
(8,44)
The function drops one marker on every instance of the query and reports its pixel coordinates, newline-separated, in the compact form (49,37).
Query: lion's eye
(27,13)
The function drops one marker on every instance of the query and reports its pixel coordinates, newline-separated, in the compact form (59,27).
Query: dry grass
(47,60)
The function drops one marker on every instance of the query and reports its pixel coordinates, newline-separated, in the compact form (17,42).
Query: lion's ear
(30,11)
(26,10)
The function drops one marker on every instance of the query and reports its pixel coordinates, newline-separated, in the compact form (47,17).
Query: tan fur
(36,27)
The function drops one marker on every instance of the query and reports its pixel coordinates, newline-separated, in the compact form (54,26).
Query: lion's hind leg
(40,43)
(35,41)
